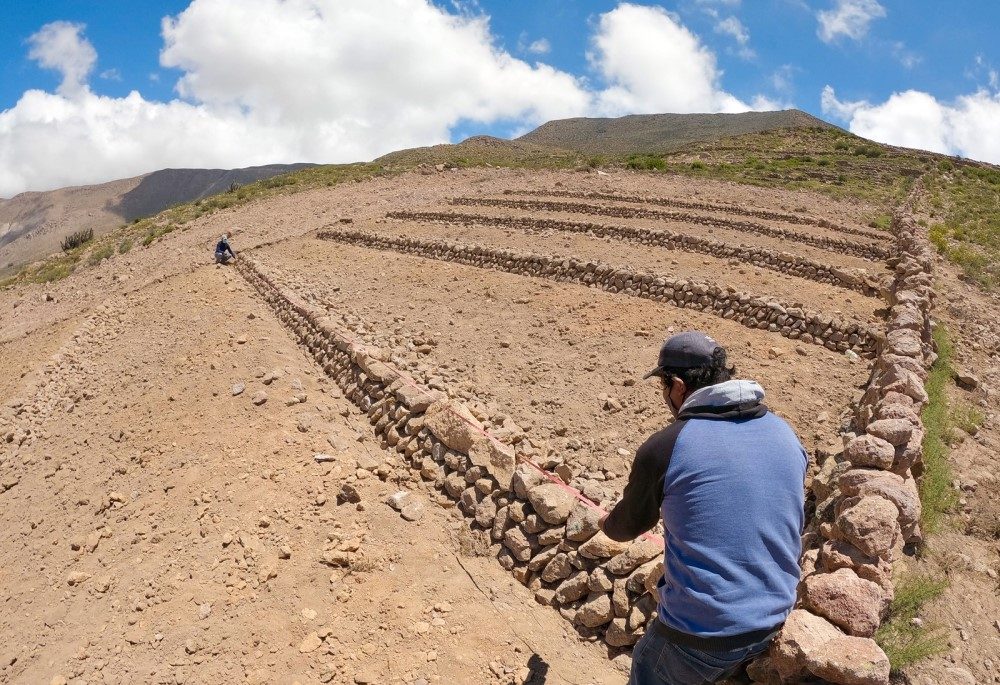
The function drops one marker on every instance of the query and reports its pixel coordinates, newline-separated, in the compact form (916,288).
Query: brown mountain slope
(33,224)
(646,133)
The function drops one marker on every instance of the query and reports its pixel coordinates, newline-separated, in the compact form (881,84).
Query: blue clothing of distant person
(726,478)
(223,250)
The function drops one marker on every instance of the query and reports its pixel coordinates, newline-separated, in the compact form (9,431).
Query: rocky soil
(166,518)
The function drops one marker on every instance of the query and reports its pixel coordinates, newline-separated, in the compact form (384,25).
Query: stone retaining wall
(539,529)
(782,262)
(852,247)
(867,501)
(790,321)
(706,207)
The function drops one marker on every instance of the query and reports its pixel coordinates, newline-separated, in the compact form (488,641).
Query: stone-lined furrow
(868,504)
(782,262)
(862,250)
(705,207)
(776,317)
(55,388)
(538,529)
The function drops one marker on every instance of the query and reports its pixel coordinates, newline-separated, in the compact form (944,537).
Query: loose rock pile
(704,206)
(791,321)
(868,506)
(541,530)
(852,247)
(782,262)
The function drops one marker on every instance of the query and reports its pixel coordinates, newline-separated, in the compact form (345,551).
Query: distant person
(727,480)
(223,250)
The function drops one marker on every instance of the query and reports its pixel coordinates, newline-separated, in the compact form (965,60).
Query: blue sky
(339,80)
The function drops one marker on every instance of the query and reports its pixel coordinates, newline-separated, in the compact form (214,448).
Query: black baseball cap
(686,350)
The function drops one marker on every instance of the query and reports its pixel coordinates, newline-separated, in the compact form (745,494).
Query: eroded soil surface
(160,528)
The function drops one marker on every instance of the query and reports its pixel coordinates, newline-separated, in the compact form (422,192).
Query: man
(727,480)
(223,251)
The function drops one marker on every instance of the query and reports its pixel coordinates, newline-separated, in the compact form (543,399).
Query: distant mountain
(168,187)
(33,224)
(651,133)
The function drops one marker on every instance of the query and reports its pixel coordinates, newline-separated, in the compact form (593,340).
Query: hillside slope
(33,224)
(644,133)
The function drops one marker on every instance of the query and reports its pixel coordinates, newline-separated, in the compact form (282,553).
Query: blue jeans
(222,257)
(656,660)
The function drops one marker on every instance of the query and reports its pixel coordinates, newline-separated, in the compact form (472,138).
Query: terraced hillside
(376,449)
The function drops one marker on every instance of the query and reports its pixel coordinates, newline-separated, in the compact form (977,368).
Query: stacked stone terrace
(544,531)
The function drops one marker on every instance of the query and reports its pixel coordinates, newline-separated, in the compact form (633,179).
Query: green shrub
(882,222)
(698,165)
(74,240)
(124,246)
(968,417)
(99,254)
(945,165)
(904,641)
(646,162)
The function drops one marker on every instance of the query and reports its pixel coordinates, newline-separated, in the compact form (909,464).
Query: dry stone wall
(868,251)
(541,530)
(788,320)
(782,262)
(868,505)
(706,207)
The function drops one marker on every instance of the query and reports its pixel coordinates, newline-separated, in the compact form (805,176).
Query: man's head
(226,235)
(689,361)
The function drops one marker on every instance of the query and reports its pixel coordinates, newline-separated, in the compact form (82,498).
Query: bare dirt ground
(161,529)
(556,358)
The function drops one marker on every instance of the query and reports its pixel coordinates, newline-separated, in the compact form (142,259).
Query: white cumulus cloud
(849,18)
(966,127)
(60,46)
(539,47)
(653,63)
(733,27)
(265,81)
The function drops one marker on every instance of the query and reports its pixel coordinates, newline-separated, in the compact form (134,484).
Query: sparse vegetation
(968,417)
(646,162)
(966,204)
(881,222)
(77,239)
(124,246)
(904,640)
(937,496)
(99,254)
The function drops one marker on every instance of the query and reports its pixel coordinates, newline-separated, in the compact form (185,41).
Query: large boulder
(602,547)
(837,554)
(868,450)
(896,432)
(553,502)
(869,523)
(453,424)
(494,456)
(638,553)
(901,492)
(809,644)
(583,522)
(854,604)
